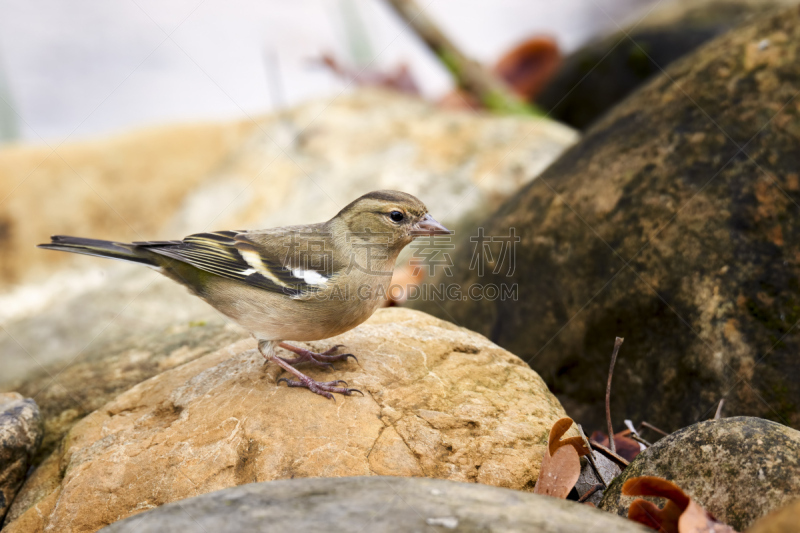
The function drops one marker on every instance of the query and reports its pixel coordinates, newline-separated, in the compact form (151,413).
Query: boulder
(674,223)
(20,435)
(593,79)
(739,469)
(377,504)
(83,352)
(440,401)
(122,187)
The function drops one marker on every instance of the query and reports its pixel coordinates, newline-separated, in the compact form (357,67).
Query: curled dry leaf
(679,515)
(561,465)
(626,446)
(528,67)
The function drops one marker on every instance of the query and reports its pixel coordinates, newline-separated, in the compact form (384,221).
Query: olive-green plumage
(298,283)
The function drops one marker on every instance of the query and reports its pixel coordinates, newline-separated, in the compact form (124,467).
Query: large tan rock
(125,187)
(440,401)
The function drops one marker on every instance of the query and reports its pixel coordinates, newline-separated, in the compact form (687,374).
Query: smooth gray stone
(372,504)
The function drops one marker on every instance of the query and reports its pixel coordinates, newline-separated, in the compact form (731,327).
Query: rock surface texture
(20,435)
(374,504)
(440,402)
(597,76)
(739,469)
(674,224)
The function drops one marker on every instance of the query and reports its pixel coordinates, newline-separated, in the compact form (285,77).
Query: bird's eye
(396,216)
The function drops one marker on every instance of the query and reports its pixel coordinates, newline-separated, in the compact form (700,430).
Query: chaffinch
(300,283)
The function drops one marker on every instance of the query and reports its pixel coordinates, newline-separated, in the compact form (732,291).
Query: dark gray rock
(599,75)
(374,504)
(20,436)
(675,224)
(739,468)
(607,470)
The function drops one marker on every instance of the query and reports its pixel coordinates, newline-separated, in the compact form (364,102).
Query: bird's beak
(429,226)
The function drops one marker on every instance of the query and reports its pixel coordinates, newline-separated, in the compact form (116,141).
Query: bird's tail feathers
(99,248)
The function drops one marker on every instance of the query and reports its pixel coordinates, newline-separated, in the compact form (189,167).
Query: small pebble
(764,44)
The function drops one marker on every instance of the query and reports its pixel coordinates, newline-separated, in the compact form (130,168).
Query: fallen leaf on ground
(561,465)
(679,515)
(626,446)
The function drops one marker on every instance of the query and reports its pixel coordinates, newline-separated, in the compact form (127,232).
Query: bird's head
(392,217)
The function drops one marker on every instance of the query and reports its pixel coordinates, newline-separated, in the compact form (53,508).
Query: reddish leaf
(561,464)
(528,67)
(626,446)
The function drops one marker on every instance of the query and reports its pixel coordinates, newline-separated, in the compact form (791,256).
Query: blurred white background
(82,68)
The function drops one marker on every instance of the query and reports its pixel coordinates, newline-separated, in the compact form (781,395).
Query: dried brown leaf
(626,446)
(561,464)
(528,67)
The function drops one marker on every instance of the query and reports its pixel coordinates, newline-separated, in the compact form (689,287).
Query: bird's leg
(323,388)
(319,359)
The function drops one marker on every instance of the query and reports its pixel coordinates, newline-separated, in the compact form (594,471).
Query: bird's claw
(332,349)
(323,359)
(323,388)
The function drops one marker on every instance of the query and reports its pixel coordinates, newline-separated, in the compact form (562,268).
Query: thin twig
(469,74)
(633,431)
(617,343)
(652,427)
(608,454)
(639,439)
(588,493)
(718,414)
(591,456)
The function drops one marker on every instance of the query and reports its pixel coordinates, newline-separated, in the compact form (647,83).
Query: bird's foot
(323,388)
(317,359)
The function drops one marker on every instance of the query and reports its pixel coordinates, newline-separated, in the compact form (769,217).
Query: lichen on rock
(739,469)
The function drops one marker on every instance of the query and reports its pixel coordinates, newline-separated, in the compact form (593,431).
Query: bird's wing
(265,261)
